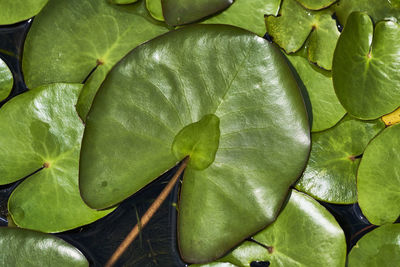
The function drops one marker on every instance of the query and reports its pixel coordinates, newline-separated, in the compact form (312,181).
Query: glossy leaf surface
(71,38)
(366,64)
(331,171)
(325,107)
(20,247)
(43,130)
(179,12)
(295,24)
(6,80)
(155,9)
(378,180)
(380,247)
(247,14)
(304,234)
(377,9)
(13,11)
(316,4)
(174,81)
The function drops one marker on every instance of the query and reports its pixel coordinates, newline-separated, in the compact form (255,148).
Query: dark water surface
(156,246)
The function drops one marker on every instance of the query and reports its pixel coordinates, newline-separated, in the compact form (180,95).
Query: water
(156,246)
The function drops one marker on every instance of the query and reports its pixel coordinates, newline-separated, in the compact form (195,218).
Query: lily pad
(247,14)
(378,180)
(380,247)
(330,174)
(174,82)
(179,12)
(377,9)
(20,247)
(13,11)
(316,4)
(365,67)
(71,38)
(44,133)
(304,234)
(295,24)
(155,9)
(6,80)
(326,108)
(122,2)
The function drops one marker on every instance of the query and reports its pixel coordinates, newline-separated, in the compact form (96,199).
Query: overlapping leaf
(330,174)
(6,80)
(13,11)
(378,180)
(173,83)
(325,107)
(381,247)
(41,131)
(21,247)
(295,24)
(366,64)
(304,234)
(316,4)
(155,9)
(71,38)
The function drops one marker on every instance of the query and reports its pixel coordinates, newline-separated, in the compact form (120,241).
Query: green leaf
(295,24)
(122,2)
(380,247)
(330,174)
(365,67)
(316,5)
(71,38)
(20,247)
(326,108)
(6,80)
(155,9)
(175,80)
(247,14)
(179,12)
(378,179)
(304,234)
(377,9)
(44,131)
(13,11)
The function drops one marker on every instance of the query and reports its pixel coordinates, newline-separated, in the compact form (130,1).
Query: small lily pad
(377,9)
(6,80)
(378,180)
(13,11)
(123,2)
(155,9)
(330,174)
(380,247)
(181,84)
(325,107)
(295,24)
(44,133)
(304,234)
(366,64)
(179,12)
(20,247)
(316,4)
(70,39)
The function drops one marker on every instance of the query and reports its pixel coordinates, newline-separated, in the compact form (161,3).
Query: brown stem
(147,216)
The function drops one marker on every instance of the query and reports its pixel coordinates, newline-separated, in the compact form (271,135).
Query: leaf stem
(147,216)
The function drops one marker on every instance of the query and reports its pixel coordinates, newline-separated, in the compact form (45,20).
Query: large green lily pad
(377,9)
(325,107)
(44,132)
(316,4)
(378,180)
(331,171)
(381,247)
(177,82)
(6,80)
(71,38)
(179,12)
(295,24)
(247,14)
(304,234)
(365,67)
(13,11)
(20,247)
